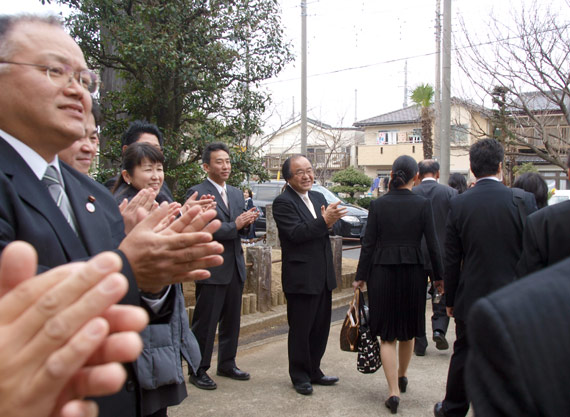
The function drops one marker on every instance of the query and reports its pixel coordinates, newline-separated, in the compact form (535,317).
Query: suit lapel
(315,203)
(220,207)
(301,206)
(89,215)
(36,195)
(236,207)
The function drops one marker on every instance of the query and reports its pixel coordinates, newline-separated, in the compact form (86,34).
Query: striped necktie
(53,183)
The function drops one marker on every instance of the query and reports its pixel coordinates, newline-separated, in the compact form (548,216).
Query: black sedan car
(349,226)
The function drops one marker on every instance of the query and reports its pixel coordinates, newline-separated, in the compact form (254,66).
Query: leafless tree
(524,68)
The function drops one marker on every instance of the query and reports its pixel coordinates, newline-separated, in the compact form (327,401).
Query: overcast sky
(357,51)
(363,46)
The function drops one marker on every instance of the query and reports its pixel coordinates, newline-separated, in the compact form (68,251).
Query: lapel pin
(90,206)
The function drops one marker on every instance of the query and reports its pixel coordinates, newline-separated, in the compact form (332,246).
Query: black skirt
(397,301)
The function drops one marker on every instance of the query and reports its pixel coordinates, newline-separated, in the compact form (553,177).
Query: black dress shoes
(402,383)
(326,380)
(202,380)
(438,410)
(304,388)
(392,403)
(234,373)
(440,341)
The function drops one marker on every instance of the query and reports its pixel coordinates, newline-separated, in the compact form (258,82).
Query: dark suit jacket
(483,243)
(307,264)
(396,224)
(28,213)
(227,235)
(518,364)
(440,195)
(546,238)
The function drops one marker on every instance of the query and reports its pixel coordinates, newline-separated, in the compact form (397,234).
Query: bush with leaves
(351,181)
(364,202)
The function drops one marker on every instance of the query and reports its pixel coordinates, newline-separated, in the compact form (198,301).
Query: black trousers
(439,319)
(455,403)
(218,304)
(309,318)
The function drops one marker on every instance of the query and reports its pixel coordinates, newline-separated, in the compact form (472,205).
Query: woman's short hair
(134,156)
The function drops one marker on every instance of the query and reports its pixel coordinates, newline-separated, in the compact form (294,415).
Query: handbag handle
(361,305)
(354,307)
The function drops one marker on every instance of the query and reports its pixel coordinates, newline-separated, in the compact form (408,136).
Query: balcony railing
(336,160)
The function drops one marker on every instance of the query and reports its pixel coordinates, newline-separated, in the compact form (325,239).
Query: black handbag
(349,331)
(368,360)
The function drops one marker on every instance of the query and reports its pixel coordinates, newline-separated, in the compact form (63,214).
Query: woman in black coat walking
(391,264)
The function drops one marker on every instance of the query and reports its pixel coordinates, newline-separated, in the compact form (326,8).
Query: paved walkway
(270,392)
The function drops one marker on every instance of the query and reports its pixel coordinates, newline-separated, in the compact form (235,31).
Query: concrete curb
(251,323)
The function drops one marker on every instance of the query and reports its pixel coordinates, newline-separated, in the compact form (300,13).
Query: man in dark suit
(218,298)
(440,195)
(483,244)
(62,213)
(303,220)
(518,362)
(546,238)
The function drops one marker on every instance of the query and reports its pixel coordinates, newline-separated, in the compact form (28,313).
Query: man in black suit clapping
(304,219)
(218,298)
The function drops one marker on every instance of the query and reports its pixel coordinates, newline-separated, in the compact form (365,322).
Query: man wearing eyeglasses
(45,89)
(304,219)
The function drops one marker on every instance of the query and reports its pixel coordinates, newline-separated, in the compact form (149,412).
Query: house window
(415,136)
(459,134)
(387,137)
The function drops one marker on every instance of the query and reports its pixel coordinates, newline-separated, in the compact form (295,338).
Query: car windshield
(329,196)
(265,193)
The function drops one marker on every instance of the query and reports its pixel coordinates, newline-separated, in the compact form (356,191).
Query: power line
(391,61)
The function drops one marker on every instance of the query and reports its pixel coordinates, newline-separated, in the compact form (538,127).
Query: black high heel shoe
(402,383)
(392,403)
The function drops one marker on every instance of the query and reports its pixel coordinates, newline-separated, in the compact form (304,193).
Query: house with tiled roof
(541,119)
(329,148)
(399,132)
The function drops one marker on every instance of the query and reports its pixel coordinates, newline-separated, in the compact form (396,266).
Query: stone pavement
(270,392)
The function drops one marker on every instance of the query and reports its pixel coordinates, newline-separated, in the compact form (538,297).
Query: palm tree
(422,96)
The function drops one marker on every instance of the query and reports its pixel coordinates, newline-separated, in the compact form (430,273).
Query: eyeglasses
(300,173)
(63,75)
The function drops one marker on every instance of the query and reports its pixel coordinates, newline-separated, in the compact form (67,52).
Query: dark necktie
(53,183)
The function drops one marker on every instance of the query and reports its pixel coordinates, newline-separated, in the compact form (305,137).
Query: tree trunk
(427,138)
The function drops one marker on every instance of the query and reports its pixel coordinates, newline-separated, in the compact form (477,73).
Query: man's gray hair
(7,23)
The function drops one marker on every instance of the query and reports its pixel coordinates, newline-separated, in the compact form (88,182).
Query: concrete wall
(384,155)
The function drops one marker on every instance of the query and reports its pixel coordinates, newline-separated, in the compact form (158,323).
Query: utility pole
(405,104)
(437,104)
(303,77)
(355,105)
(446,94)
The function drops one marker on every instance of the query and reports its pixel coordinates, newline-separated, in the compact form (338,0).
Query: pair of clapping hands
(170,243)
(62,336)
(143,203)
